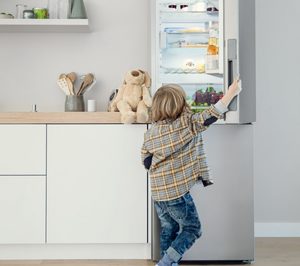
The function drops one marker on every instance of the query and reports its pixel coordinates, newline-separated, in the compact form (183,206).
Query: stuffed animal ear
(112,97)
(147,78)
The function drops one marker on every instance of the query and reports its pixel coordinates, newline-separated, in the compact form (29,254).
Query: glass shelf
(191,71)
(211,13)
(188,78)
(188,16)
(181,71)
(192,46)
(205,33)
(188,2)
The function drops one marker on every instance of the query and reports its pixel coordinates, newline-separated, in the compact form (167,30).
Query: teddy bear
(133,99)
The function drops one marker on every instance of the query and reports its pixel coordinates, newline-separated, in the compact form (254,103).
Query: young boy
(170,152)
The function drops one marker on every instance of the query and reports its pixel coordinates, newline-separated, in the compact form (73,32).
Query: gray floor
(269,252)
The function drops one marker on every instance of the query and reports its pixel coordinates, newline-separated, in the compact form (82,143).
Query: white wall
(277,131)
(31,63)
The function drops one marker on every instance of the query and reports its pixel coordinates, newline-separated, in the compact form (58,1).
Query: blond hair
(169,102)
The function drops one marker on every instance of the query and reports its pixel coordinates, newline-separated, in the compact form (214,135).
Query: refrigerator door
(203,45)
(226,208)
(239,32)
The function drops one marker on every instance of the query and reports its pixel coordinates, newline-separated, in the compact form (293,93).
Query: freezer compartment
(182,6)
(226,209)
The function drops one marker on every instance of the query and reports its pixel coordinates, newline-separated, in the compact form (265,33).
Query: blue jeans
(180,226)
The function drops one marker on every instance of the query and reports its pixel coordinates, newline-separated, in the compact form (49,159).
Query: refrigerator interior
(190,49)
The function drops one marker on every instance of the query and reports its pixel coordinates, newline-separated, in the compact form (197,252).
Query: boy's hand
(234,89)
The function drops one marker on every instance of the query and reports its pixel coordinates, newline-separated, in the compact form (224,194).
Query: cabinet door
(23,150)
(97,187)
(22,208)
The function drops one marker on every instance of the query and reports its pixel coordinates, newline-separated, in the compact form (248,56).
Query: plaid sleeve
(144,152)
(201,121)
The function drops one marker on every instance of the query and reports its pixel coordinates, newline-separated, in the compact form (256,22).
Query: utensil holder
(74,103)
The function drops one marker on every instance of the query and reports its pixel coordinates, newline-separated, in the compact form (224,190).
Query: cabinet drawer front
(97,186)
(22,208)
(23,149)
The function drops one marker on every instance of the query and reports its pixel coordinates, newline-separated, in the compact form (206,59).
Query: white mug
(91,106)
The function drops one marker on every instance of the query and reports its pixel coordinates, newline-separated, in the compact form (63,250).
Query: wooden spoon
(88,80)
(70,85)
(62,76)
(72,76)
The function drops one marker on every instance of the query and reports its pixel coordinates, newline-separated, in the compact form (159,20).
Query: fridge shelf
(189,71)
(205,33)
(212,71)
(188,46)
(200,108)
(195,78)
(188,17)
(181,71)
(187,2)
(211,13)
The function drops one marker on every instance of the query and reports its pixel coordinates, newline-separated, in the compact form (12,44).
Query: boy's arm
(201,121)
(146,157)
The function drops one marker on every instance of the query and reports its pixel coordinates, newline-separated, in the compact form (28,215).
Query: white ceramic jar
(63,9)
(53,7)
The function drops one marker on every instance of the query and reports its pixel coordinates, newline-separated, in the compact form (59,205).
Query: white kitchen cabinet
(96,185)
(22,208)
(23,150)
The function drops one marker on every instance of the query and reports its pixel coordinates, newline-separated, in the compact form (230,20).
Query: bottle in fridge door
(197,44)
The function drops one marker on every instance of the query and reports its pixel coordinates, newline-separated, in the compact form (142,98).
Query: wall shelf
(44,25)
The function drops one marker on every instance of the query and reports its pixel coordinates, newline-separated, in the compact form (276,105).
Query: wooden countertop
(60,118)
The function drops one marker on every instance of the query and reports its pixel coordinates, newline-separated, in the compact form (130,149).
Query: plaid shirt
(178,158)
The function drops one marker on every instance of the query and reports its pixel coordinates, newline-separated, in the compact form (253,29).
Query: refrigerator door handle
(232,68)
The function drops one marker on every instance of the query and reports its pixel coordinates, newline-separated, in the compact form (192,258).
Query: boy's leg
(184,212)
(169,227)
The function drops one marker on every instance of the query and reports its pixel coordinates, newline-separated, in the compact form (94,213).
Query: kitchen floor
(269,252)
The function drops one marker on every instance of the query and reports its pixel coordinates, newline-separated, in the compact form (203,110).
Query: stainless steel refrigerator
(202,45)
